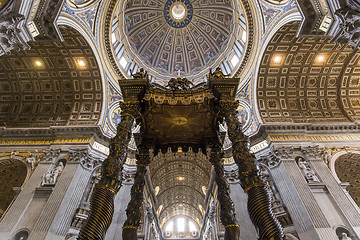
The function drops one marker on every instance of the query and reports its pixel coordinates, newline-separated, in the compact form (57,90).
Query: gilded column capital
(228,107)
(130,108)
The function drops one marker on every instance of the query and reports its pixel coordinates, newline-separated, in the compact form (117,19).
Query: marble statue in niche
(305,168)
(50,178)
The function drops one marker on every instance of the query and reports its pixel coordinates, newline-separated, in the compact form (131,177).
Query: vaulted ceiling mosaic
(181,179)
(52,84)
(308,80)
(168,36)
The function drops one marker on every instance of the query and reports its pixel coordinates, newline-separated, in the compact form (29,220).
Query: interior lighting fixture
(38,64)
(320,58)
(180,178)
(157,190)
(81,63)
(203,188)
(277,59)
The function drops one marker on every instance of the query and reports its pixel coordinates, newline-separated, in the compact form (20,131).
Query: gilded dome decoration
(186,37)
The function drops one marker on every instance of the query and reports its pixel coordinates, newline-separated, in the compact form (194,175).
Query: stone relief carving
(50,155)
(232,176)
(344,236)
(273,158)
(10,33)
(76,155)
(284,152)
(128,176)
(326,155)
(89,162)
(305,168)
(311,151)
(13,154)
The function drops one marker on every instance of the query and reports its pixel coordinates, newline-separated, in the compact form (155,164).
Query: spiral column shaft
(227,210)
(133,210)
(102,200)
(258,198)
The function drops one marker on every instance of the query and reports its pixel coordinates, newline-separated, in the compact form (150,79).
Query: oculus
(178,14)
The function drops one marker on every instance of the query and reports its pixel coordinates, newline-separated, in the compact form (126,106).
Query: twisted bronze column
(133,209)
(102,200)
(227,211)
(258,197)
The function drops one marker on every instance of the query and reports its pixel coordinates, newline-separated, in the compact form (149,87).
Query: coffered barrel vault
(181,178)
(308,80)
(52,84)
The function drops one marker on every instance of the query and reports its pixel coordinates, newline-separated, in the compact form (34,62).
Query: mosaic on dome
(179,36)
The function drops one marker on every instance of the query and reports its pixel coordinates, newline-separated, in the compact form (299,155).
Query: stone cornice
(54,132)
(304,129)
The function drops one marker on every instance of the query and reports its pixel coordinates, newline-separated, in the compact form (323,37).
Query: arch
(339,230)
(13,173)
(289,18)
(289,236)
(21,234)
(344,165)
(64,20)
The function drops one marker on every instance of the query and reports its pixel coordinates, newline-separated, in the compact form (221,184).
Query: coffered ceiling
(308,80)
(181,179)
(51,84)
